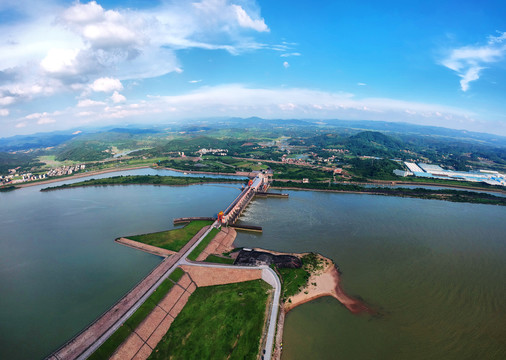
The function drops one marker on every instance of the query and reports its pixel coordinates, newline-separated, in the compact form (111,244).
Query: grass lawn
(203,244)
(218,322)
(219,260)
(172,239)
(294,280)
(115,340)
(176,275)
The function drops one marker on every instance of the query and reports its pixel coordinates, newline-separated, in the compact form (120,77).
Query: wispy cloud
(361,84)
(242,101)
(469,61)
(194,81)
(286,65)
(290,54)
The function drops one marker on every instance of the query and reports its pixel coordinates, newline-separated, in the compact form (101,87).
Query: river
(434,271)
(59,265)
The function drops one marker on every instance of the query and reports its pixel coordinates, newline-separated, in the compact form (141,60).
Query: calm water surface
(59,265)
(435,271)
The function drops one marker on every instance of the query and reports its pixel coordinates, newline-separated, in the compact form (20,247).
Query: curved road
(270,277)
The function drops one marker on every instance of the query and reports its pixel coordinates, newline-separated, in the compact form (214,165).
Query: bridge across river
(260,184)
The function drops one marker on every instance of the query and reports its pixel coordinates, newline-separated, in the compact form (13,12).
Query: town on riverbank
(305,151)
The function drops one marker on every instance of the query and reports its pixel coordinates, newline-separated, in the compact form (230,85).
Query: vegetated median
(230,319)
(108,348)
(174,239)
(435,194)
(145,180)
(203,244)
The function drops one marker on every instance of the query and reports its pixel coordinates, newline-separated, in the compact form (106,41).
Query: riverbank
(322,282)
(237,173)
(419,193)
(325,282)
(80,175)
(144,180)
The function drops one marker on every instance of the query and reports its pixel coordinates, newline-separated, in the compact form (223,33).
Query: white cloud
(361,84)
(6,100)
(290,54)
(36,116)
(56,48)
(103,28)
(61,61)
(106,84)
(20,125)
(4,112)
(246,21)
(469,61)
(45,121)
(117,98)
(286,65)
(194,81)
(89,103)
(238,100)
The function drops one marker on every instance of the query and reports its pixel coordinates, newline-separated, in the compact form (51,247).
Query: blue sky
(71,64)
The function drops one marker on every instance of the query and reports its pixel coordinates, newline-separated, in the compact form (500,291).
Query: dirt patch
(145,247)
(221,243)
(148,334)
(208,276)
(257,258)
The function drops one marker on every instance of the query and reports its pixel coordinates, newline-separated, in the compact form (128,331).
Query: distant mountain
(133,131)
(53,139)
(35,141)
(412,129)
(56,138)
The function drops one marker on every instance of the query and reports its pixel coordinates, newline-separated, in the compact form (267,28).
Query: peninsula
(198,256)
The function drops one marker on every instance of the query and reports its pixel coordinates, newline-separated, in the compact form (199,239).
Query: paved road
(90,350)
(268,275)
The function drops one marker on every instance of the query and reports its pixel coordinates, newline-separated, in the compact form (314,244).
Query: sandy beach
(325,283)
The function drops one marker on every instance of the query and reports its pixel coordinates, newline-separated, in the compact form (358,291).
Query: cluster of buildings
(15,178)
(65,170)
(293,161)
(220,152)
(437,172)
(339,151)
(307,159)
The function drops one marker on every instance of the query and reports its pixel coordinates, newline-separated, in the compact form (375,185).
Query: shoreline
(142,184)
(413,183)
(237,173)
(81,175)
(249,174)
(386,193)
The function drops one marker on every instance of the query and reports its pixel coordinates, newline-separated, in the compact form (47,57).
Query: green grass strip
(219,259)
(108,348)
(143,180)
(176,274)
(218,322)
(172,239)
(203,244)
